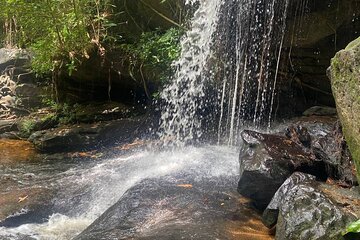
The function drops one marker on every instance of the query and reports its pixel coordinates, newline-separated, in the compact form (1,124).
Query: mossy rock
(36,121)
(345,80)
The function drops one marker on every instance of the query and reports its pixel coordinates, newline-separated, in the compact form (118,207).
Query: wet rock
(21,206)
(334,151)
(299,134)
(267,160)
(306,209)
(15,151)
(320,111)
(344,74)
(172,208)
(83,137)
(324,138)
(271,213)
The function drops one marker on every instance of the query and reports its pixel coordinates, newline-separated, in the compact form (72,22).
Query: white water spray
(184,96)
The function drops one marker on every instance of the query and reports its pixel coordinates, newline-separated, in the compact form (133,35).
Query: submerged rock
(22,206)
(267,160)
(344,74)
(306,209)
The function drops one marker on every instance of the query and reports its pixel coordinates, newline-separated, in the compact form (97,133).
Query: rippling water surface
(82,191)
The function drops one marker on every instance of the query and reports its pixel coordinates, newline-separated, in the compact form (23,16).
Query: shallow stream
(61,197)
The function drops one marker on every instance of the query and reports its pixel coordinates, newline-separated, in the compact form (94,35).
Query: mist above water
(85,192)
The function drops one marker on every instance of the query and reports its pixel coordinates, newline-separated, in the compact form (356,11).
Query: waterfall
(235,47)
(253,33)
(185,95)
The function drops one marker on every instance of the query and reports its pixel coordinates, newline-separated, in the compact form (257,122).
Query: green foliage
(159,49)
(26,127)
(63,113)
(59,32)
(156,51)
(354,227)
(67,113)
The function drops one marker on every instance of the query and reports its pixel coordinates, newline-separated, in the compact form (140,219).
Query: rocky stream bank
(295,182)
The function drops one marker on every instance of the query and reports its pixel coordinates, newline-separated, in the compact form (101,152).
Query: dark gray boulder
(306,209)
(334,151)
(323,137)
(271,213)
(267,160)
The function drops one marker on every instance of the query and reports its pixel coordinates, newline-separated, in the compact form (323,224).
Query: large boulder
(306,209)
(271,213)
(267,160)
(313,145)
(345,79)
(334,151)
(323,136)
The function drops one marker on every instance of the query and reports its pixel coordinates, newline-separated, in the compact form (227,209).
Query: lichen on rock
(345,80)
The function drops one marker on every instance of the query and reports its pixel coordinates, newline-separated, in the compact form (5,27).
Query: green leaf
(353,228)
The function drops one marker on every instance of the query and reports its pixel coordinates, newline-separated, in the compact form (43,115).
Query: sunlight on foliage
(60,33)
(353,228)
(156,50)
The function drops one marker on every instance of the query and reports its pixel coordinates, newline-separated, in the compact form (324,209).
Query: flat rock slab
(178,208)
(82,137)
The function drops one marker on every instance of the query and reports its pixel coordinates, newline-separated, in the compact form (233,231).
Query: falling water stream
(184,97)
(239,45)
(250,34)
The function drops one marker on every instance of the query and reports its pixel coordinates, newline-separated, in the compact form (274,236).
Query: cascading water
(184,97)
(254,35)
(236,44)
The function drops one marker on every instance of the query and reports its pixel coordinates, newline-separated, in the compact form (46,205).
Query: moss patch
(345,80)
